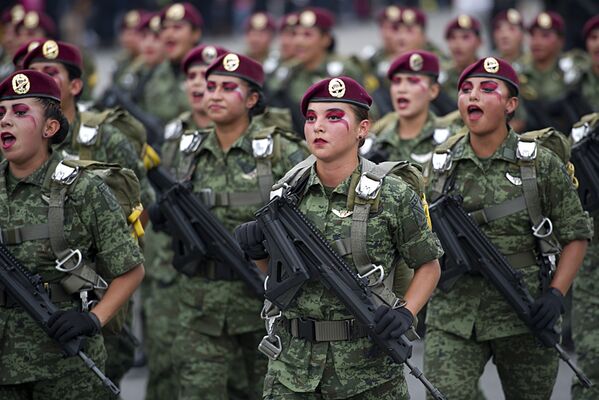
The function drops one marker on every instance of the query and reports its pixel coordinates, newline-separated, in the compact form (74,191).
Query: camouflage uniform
(218,317)
(6,65)
(448,78)
(472,322)
(589,84)
(349,369)
(163,94)
(29,360)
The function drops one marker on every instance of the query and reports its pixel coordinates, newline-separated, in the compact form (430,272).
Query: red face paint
(211,86)
(466,88)
(310,117)
(21,110)
(2,112)
(336,115)
(191,76)
(491,88)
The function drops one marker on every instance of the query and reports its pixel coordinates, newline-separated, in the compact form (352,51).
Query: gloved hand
(392,323)
(250,238)
(546,310)
(66,325)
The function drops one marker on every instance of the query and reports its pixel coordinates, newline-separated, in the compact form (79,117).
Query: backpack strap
(442,163)
(81,277)
(293,176)
(266,148)
(189,144)
(89,132)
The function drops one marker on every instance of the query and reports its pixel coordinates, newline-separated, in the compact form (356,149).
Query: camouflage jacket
(474,306)
(95,225)
(229,304)
(164,94)
(398,233)
(111,146)
(448,78)
(589,84)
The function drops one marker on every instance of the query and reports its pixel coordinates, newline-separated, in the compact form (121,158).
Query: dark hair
(52,110)
(512,92)
(260,105)
(360,114)
(333,44)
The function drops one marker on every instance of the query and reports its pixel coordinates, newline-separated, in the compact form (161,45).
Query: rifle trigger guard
(375,268)
(73,253)
(549,229)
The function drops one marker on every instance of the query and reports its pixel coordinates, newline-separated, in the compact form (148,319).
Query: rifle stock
(27,290)
(293,242)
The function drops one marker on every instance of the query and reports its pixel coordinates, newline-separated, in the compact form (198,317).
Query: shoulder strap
(266,148)
(89,132)
(293,176)
(442,162)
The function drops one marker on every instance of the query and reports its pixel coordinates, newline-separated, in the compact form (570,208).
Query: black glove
(250,238)
(546,310)
(66,325)
(392,323)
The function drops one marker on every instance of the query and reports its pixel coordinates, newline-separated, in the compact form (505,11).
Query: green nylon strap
(343,246)
(329,331)
(55,290)
(520,260)
(25,233)
(229,199)
(295,174)
(265,178)
(498,211)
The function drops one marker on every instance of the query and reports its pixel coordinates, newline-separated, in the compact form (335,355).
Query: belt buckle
(73,253)
(349,328)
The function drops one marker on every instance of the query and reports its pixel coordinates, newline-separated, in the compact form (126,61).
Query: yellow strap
(150,157)
(133,218)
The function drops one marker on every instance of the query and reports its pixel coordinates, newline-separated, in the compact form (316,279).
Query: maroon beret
(29,83)
(182,12)
(491,67)
(53,51)
(333,90)
(464,22)
(34,20)
(511,15)
(288,21)
(591,25)
(416,62)
(260,21)
(202,55)
(404,15)
(22,51)
(316,17)
(548,20)
(14,14)
(132,19)
(238,65)
(150,21)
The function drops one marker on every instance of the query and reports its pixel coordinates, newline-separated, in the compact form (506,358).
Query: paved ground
(351,37)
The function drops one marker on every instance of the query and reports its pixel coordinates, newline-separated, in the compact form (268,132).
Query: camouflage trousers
(527,371)
(160,308)
(395,389)
(205,364)
(585,324)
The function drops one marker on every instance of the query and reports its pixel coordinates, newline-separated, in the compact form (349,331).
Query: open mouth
(197,95)
(7,140)
(403,103)
(474,112)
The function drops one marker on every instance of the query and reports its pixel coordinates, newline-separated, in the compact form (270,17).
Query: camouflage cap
(28,83)
(288,21)
(34,20)
(333,90)
(463,22)
(548,20)
(55,51)
(590,26)
(512,16)
(202,55)
(316,17)
(182,12)
(260,21)
(22,51)
(491,67)
(415,62)
(237,65)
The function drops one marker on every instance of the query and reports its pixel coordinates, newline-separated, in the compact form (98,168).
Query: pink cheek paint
(419,82)
(22,108)
(233,88)
(491,88)
(337,116)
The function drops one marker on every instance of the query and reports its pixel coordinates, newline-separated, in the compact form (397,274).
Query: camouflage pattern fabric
(585,319)
(474,310)
(527,370)
(589,84)
(535,84)
(342,369)
(448,78)
(6,65)
(218,314)
(95,225)
(163,94)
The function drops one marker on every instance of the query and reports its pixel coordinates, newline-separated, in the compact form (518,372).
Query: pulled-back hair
(52,110)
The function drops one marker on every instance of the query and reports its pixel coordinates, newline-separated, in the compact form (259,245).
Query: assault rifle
(197,233)
(463,240)
(298,252)
(585,157)
(28,291)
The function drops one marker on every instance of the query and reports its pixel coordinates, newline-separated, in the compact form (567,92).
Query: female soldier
(491,168)
(232,167)
(30,122)
(348,366)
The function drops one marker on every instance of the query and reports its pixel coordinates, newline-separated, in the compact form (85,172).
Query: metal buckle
(442,161)
(580,132)
(536,229)
(278,190)
(440,135)
(173,129)
(368,188)
(190,142)
(374,269)
(271,348)
(65,174)
(349,327)
(262,148)
(87,135)
(73,253)
(206,196)
(527,151)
